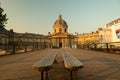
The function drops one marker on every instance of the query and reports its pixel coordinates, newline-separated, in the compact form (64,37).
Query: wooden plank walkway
(97,65)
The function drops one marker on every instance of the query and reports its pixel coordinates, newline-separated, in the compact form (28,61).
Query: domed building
(60,25)
(60,36)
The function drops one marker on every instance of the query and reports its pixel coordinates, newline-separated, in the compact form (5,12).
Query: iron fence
(113,47)
(19,47)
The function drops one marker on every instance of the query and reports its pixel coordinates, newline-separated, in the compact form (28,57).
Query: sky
(38,16)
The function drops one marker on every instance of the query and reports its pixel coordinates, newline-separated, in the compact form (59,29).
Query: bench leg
(46,75)
(42,75)
(76,71)
(55,61)
(71,76)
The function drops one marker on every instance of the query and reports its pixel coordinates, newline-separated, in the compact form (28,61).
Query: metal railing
(19,47)
(113,47)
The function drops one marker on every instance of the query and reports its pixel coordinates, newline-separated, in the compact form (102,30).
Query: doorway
(60,44)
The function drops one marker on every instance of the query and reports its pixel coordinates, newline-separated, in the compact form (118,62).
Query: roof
(60,34)
(60,22)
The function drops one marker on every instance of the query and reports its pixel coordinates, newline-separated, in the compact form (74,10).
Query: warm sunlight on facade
(107,34)
(60,37)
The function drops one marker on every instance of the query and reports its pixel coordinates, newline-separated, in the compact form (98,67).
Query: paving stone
(97,65)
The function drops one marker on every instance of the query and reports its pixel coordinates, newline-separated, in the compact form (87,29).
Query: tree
(3,18)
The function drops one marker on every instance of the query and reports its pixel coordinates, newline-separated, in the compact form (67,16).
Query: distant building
(28,37)
(60,36)
(3,35)
(114,26)
(88,38)
(107,34)
(111,32)
(7,37)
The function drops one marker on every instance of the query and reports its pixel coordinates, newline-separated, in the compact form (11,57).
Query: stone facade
(7,37)
(60,36)
(88,38)
(105,35)
(114,26)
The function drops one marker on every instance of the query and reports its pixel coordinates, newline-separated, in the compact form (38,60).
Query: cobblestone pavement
(97,65)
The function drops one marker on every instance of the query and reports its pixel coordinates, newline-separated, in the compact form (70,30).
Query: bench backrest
(71,62)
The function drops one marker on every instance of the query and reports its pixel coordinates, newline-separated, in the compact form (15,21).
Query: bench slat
(44,62)
(71,62)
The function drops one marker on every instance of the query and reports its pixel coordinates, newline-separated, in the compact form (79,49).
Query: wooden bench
(71,63)
(44,65)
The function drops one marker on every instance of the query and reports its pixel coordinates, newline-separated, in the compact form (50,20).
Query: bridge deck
(97,65)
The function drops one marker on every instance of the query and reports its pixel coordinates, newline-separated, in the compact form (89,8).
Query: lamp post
(101,39)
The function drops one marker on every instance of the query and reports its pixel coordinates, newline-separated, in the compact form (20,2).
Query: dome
(60,23)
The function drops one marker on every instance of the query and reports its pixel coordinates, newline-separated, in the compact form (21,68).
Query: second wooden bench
(71,63)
